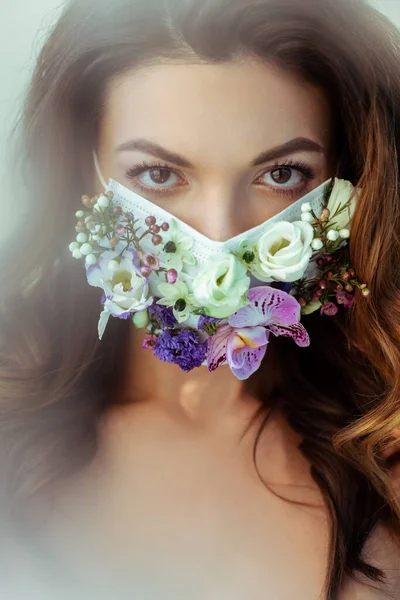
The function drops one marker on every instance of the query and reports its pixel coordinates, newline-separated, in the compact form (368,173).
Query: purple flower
(344,298)
(329,308)
(151,260)
(181,347)
(163,314)
(149,342)
(242,342)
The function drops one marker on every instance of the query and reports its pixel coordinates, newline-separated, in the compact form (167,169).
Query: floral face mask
(205,302)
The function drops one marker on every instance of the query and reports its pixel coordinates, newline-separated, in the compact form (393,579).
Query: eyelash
(140,168)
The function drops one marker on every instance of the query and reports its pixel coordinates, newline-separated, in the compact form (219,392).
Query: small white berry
(307,217)
(77,254)
(103,201)
(344,234)
(86,249)
(306,207)
(73,246)
(79,214)
(81,238)
(332,235)
(317,244)
(91,259)
(113,265)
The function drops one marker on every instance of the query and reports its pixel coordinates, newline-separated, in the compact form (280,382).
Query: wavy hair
(342,393)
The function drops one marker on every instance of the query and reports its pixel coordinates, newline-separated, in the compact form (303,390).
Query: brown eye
(281,175)
(159,176)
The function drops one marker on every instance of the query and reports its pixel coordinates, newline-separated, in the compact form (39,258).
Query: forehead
(202,109)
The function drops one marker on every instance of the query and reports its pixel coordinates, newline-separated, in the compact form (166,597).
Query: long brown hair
(342,392)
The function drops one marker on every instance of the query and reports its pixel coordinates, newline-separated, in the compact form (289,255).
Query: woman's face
(213,138)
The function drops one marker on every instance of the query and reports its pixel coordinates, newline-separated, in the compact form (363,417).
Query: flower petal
(296,331)
(267,305)
(251,362)
(242,340)
(103,320)
(216,351)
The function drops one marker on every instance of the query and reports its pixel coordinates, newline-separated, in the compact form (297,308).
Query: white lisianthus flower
(221,286)
(177,296)
(283,252)
(125,289)
(338,199)
(176,248)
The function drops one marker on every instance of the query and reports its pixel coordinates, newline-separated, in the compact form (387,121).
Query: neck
(199,396)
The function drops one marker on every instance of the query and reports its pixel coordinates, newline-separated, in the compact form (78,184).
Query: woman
(139,478)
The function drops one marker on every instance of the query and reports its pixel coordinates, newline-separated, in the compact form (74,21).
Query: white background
(25,24)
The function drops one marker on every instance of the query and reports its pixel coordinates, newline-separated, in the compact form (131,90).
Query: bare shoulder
(382,550)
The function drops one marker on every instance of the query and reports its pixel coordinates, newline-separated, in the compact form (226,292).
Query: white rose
(283,252)
(340,196)
(221,286)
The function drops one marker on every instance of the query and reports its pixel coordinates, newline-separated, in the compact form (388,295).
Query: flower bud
(81,238)
(79,214)
(344,234)
(325,214)
(86,249)
(77,254)
(150,221)
(307,217)
(103,201)
(90,259)
(365,292)
(171,276)
(317,244)
(73,246)
(332,235)
(165,226)
(109,194)
(80,227)
(141,319)
(306,207)
(156,240)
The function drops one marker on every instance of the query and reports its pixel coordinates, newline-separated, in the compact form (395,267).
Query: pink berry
(155,228)
(157,240)
(150,221)
(165,226)
(171,276)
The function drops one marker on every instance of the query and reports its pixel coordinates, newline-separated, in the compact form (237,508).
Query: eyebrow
(295,145)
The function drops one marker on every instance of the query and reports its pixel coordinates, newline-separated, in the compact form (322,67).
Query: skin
(173,490)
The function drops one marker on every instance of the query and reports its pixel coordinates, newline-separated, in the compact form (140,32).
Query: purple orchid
(242,342)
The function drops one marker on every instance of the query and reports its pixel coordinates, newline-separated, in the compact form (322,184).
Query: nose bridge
(219,212)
